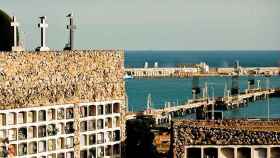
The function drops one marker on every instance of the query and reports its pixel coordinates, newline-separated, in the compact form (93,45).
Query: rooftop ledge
(249,125)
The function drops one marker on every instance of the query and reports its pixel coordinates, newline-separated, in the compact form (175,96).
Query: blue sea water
(213,58)
(179,89)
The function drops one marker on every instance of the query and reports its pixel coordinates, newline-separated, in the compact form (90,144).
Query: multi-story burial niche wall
(62,104)
(30,79)
(226,139)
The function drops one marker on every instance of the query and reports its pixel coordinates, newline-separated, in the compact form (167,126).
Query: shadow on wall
(6,32)
(139,141)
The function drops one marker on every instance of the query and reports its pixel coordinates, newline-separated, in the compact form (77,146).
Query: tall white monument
(43,25)
(15,25)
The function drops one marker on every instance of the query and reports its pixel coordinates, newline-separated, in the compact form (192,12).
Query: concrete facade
(50,131)
(232,151)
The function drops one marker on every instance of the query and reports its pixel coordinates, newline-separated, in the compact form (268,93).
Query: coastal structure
(206,107)
(202,69)
(62,104)
(226,139)
(157,71)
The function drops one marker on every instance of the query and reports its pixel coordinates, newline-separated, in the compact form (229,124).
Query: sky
(152,24)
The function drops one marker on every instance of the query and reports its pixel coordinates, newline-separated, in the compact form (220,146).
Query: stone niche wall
(227,132)
(30,79)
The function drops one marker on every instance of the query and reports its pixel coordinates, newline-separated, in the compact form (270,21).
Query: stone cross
(16,47)
(43,25)
(71,27)
(15,25)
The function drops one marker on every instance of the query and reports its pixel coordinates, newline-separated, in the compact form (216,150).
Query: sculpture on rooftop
(15,25)
(43,25)
(71,27)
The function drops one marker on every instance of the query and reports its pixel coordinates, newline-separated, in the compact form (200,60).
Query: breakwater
(199,71)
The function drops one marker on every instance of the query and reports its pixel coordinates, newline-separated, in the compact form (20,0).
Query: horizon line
(212,50)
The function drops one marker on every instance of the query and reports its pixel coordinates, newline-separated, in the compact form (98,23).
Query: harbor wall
(189,72)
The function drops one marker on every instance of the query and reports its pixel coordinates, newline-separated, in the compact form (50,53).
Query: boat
(126,76)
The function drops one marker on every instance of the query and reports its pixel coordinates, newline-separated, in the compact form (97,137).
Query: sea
(178,90)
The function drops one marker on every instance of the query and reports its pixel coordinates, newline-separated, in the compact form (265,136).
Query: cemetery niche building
(62,104)
(226,139)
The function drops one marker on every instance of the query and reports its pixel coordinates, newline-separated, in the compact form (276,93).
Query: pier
(203,105)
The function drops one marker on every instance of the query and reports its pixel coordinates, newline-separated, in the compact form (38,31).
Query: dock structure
(164,115)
